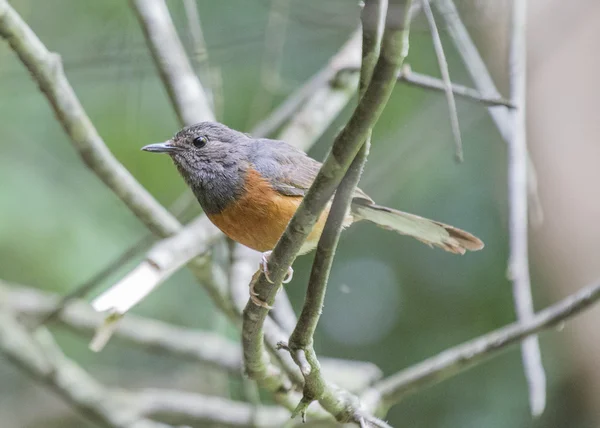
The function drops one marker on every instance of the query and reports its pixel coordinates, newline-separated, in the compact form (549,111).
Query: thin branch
(443,65)
(344,150)
(42,359)
(46,69)
(301,340)
(185,91)
(484,83)
(459,358)
(419,80)
(518,265)
(428,82)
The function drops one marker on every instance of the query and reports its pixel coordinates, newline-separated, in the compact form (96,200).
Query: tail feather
(430,232)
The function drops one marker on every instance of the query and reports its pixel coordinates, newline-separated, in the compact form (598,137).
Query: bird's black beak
(166,147)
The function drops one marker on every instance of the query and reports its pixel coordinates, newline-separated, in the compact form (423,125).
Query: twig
(454,360)
(301,340)
(428,82)
(46,69)
(484,83)
(42,359)
(412,78)
(185,91)
(518,265)
(344,150)
(443,65)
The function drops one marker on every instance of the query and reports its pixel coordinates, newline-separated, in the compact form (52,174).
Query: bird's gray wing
(289,170)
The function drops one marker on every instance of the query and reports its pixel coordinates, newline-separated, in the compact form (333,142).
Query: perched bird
(251,187)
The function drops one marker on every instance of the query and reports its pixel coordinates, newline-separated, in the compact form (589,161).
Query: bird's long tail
(430,232)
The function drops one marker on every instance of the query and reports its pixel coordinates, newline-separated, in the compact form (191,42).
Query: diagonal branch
(443,65)
(344,150)
(518,265)
(301,340)
(459,358)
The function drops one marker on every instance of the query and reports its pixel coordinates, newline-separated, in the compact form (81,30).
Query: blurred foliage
(391,300)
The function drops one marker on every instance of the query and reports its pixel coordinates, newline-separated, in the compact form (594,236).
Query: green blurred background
(391,301)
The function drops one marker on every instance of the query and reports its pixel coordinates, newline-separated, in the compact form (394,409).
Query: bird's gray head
(212,159)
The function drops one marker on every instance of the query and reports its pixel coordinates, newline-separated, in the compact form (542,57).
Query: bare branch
(484,83)
(518,265)
(412,78)
(427,82)
(184,88)
(443,65)
(301,340)
(344,150)
(461,357)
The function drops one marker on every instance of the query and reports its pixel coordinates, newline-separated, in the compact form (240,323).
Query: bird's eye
(200,142)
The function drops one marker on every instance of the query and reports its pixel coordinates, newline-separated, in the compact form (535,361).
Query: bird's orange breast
(259,217)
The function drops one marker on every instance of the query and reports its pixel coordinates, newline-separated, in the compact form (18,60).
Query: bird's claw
(263,264)
(263,267)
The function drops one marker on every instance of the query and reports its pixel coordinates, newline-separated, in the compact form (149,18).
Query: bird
(251,187)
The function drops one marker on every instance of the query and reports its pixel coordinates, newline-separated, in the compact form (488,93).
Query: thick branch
(518,265)
(454,360)
(184,88)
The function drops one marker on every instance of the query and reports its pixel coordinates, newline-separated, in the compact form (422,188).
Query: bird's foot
(254,295)
(263,264)
(263,268)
